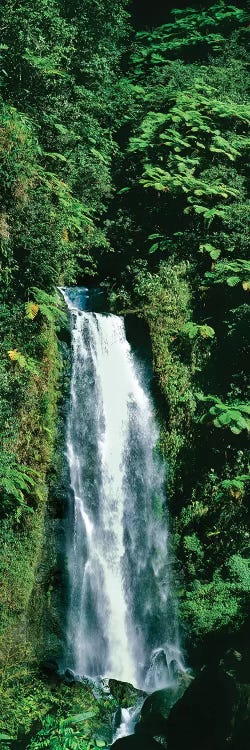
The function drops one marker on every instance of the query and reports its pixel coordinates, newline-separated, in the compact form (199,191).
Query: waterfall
(122,618)
(129,718)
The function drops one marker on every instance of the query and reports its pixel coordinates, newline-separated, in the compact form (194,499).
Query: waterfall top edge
(85,299)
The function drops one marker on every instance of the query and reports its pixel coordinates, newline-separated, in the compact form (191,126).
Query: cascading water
(122,620)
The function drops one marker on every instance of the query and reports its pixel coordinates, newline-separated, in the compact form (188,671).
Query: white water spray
(122,619)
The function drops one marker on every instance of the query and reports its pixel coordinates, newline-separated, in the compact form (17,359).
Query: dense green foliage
(140,178)
(60,102)
(60,105)
(50,713)
(59,111)
(58,115)
(59,735)
(184,203)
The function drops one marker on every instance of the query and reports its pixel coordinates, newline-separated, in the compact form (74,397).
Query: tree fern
(49,305)
(190,28)
(231,273)
(17,480)
(192,330)
(234,416)
(23,361)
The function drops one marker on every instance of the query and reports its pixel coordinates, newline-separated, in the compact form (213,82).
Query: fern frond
(50,305)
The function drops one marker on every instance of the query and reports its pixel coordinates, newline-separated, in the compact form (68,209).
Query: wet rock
(104,685)
(155,726)
(202,715)
(161,741)
(210,712)
(213,711)
(69,676)
(117,718)
(125,693)
(157,706)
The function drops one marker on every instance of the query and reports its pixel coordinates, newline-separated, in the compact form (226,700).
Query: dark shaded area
(134,742)
(212,714)
(138,336)
(154,14)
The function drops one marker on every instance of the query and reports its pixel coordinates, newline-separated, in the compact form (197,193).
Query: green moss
(206,504)
(164,299)
(22,535)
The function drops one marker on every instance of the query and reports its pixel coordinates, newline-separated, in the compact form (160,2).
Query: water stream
(122,618)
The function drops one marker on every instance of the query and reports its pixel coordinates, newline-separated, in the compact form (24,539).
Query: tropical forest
(125,409)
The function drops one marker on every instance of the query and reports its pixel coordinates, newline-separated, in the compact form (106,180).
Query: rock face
(214,710)
(212,714)
(203,714)
(153,724)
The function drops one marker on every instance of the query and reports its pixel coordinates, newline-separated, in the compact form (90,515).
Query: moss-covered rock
(125,693)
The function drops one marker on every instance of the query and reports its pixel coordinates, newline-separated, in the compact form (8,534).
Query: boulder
(157,706)
(214,709)
(125,693)
(69,676)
